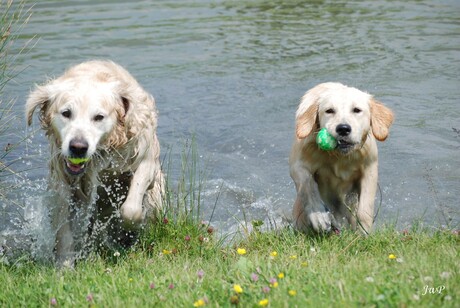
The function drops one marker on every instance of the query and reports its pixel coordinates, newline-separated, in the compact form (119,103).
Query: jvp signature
(433,290)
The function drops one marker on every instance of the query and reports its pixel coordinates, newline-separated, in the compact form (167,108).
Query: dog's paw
(66,262)
(131,214)
(321,221)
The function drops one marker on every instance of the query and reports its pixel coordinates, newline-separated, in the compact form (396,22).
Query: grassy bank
(182,265)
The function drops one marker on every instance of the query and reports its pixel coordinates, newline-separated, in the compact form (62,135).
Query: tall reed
(13,18)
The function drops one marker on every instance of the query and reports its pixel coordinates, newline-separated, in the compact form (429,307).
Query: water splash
(25,220)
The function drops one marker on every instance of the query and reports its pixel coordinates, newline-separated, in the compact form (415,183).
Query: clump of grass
(183,199)
(182,216)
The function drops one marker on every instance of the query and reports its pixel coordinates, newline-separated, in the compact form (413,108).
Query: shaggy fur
(337,188)
(98,111)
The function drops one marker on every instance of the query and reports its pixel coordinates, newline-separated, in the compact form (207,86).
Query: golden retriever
(337,188)
(104,168)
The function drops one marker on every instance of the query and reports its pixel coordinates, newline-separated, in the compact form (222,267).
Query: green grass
(332,271)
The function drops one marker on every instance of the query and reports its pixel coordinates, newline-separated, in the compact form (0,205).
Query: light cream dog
(337,188)
(104,168)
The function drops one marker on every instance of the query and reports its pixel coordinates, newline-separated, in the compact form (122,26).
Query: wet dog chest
(338,178)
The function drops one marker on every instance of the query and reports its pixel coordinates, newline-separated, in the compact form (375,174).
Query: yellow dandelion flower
(199,303)
(293,257)
(273,254)
(263,302)
(241,251)
(274,284)
(292,292)
(237,288)
(391,256)
(166,251)
(281,275)
(304,264)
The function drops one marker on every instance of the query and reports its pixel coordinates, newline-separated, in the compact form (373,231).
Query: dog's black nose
(343,129)
(78,147)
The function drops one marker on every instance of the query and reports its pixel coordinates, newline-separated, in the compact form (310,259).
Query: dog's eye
(330,111)
(66,113)
(357,110)
(99,118)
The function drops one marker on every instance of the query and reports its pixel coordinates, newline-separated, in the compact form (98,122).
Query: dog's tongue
(74,168)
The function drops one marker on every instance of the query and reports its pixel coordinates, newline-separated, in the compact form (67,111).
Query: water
(231,73)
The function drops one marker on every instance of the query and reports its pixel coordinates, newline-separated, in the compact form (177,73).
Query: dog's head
(347,113)
(81,112)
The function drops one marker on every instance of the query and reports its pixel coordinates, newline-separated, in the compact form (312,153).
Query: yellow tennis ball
(77,160)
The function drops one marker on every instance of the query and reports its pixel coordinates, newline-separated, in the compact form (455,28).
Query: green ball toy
(77,160)
(325,140)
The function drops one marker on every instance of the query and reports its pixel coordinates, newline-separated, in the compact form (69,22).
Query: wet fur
(125,160)
(337,189)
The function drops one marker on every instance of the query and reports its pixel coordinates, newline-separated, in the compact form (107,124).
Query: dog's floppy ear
(39,98)
(381,120)
(307,114)
(306,122)
(119,135)
(126,104)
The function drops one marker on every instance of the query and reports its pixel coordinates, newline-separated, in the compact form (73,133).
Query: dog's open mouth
(345,146)
(75,166)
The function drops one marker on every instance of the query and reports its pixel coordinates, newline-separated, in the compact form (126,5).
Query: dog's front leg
(132,211)
(64,243)
(364,217)
(309,209)
(71,214)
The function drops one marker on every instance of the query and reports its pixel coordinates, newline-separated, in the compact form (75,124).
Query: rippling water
(232,72)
